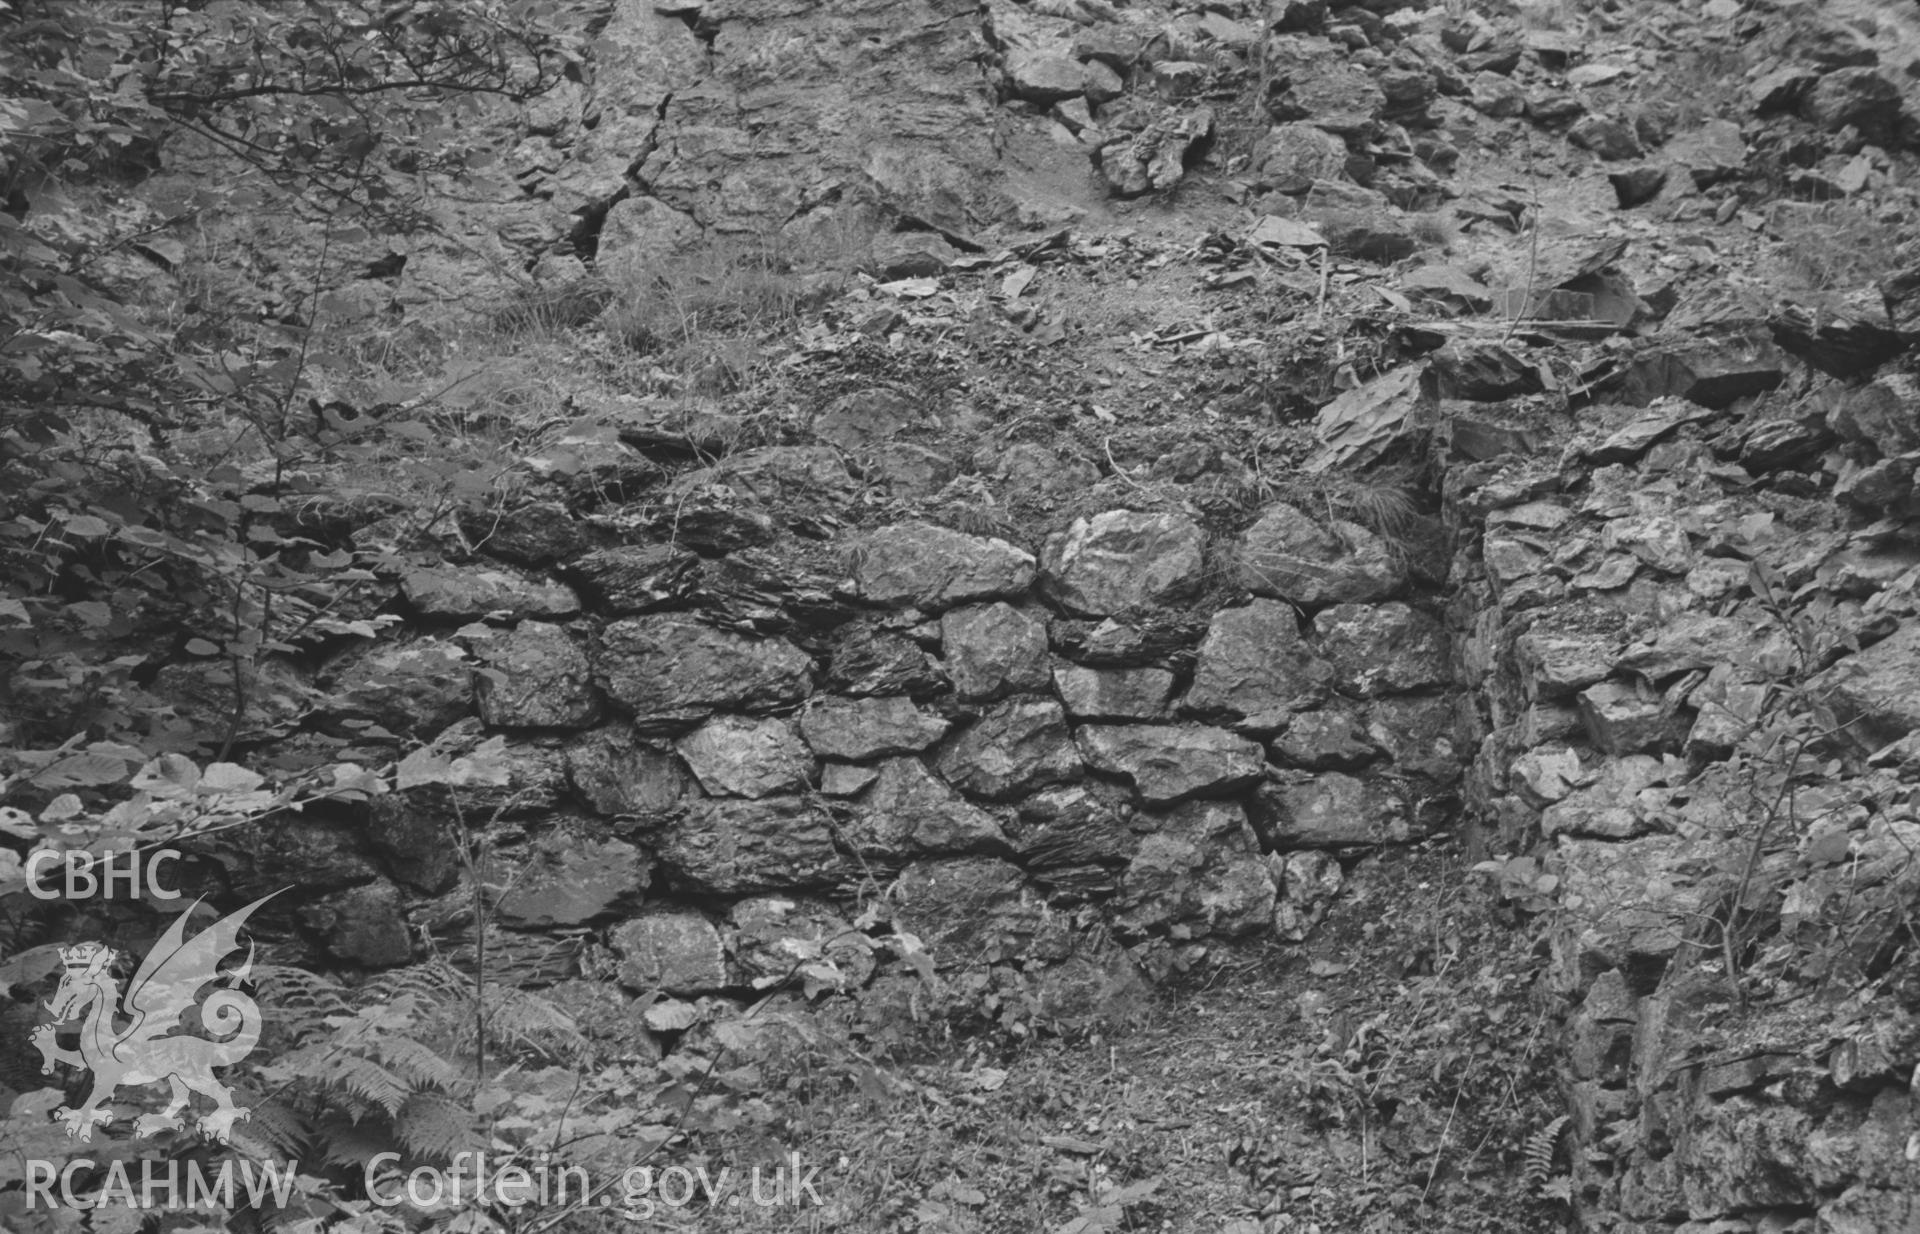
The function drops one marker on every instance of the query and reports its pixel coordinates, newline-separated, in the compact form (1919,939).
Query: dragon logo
(144,1048)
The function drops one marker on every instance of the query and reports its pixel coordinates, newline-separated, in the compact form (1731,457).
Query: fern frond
(519,1021)
(434,1127)
(419,1064)
(281,1126)
(365,1079)
(1539,1153)
(430,984)
(352,1144)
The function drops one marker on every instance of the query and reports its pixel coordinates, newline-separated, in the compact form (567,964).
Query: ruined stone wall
(1633,668)
(1071,757)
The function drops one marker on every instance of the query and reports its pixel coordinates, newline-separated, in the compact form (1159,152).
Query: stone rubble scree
(712,737)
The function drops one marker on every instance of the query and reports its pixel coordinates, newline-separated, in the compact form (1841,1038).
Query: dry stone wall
(708,735)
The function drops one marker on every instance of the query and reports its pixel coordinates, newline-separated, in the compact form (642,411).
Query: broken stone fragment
(1420,737)
(466,593)
(1331,810)
(1630,441)
(419,686)
(1253,662)
(637,578)
(1157,156)
(1169,763)
(1881,413)
(668,668)
(1288,556)
(1083,826)
(962,908)
(864,660)
(1496,95)
(1308,882)
(1711,374)
(908,813)
(932,567)
(1728,710)
(1113,693)
(673,951)
(1382,649)
(1365,235)
(994,649)
(1543,777)
(1857,96)
(1875,696)
(1654,539)
(1623,720)
(568,879)
(536,675)
(1332,740)
(1123,560)
(773,936)
(642,229)
(1774,444)
(1557,666)
(616,773)
(1198,870)
(739,756)
(1300,151)
(733,846)
(1606,136)
(857,729)
(363,925)
(846,779)
(1016,747)
(1626,904)
(911,254)
(1043,78)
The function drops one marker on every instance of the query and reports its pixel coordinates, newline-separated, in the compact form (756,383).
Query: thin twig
(1434,1169)
(1533,269)
(1326,273)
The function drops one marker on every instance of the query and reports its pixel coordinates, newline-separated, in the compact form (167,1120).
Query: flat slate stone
(1018,746)
(741,756)
(857,729)
(920,565)
(1113,693)
(1332,810)
(1168,763)
(866,661)
(567,880)
(1876,694)
(670,667)
(636,578)
(910,812)
(464,592)
(730,846)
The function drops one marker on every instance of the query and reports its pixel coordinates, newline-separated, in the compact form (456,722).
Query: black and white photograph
(960,616)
